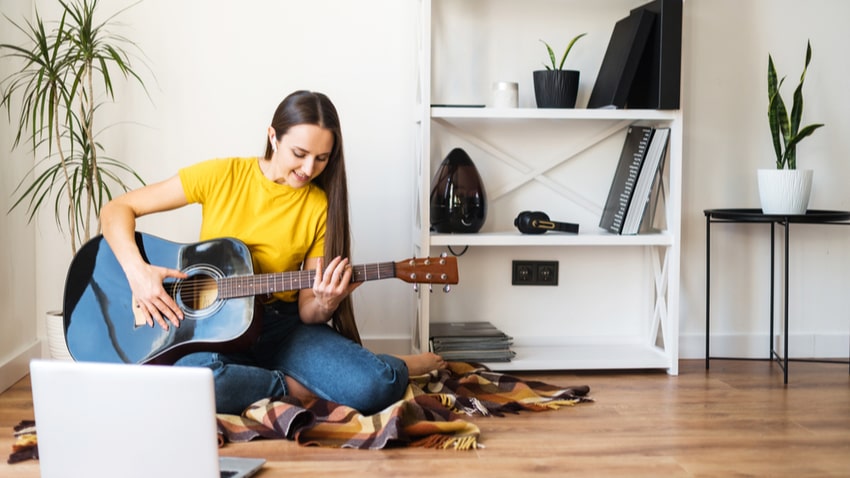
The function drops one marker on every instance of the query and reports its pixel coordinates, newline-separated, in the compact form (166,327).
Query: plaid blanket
(431,414)
(25,446)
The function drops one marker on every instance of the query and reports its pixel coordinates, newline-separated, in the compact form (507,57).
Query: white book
(643,186)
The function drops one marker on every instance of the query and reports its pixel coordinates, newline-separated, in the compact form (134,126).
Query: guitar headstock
(428,270)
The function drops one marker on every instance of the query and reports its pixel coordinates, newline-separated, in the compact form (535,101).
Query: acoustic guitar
(218,299)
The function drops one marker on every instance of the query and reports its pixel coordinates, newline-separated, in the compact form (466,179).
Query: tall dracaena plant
(65,77)
(785,130)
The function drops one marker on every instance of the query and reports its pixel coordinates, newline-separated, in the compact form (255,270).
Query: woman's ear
(272,138)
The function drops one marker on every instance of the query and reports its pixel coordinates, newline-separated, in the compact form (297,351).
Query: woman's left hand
(333,284)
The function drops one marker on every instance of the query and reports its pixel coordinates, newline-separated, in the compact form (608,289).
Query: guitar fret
(374,271)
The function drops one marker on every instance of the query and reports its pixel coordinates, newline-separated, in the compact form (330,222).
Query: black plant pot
(458,200)
(556,88)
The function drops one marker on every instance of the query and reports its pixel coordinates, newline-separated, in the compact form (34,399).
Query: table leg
(772,287)
(707,286)
(785,352)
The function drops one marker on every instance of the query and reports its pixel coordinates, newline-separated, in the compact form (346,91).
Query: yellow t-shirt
(281,226)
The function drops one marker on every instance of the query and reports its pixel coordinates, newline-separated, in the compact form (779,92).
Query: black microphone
(537,222)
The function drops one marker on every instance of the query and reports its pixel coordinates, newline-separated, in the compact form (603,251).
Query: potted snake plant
(786,189)
(555,87)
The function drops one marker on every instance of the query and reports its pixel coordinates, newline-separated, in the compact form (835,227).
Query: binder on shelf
(657,80)
(625,178)
(474,341)
(650,176)
(620,63)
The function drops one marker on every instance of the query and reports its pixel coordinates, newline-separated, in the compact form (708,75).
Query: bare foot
(421,364)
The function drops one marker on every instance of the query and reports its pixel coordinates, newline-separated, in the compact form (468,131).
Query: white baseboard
(825,346)
(17,365)
(388,345)
(691,346)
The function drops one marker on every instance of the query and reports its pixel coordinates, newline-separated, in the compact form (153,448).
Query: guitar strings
(241,286)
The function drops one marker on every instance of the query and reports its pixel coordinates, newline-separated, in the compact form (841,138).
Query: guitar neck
(260,284)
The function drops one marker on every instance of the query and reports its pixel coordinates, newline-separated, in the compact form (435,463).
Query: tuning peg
(431,288)
(415,287)
(447,288)
(444,255)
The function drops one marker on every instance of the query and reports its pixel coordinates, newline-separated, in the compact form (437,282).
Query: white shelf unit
(617,303)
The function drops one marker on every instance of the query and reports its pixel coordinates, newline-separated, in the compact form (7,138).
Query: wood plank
(735,419)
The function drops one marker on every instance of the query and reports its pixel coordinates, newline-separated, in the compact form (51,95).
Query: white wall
(222,67)
(727,139)
(220,70)
(18,337)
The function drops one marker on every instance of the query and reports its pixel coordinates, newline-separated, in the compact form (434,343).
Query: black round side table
(752,215)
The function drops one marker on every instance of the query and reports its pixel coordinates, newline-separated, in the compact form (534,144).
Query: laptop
(108,420)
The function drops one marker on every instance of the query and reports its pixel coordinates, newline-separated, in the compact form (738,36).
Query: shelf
(538,113)
(594,238)
(542,156)
(586,357)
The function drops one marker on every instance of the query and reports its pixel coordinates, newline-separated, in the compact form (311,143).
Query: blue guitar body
(98,304)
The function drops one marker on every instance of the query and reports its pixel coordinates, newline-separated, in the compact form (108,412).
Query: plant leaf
(773,110)
(790,149)
(551,54)
(567,51)
(797,106)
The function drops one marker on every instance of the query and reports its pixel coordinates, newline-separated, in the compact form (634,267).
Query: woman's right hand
(150,299)
(151,303)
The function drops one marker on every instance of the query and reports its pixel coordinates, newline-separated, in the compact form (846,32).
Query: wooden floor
(738,419)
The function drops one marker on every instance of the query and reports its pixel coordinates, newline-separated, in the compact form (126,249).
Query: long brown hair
(307,107)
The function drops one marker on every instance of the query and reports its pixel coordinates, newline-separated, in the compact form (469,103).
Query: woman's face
(301,154)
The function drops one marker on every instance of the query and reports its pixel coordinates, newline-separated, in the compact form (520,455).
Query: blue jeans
(328,364)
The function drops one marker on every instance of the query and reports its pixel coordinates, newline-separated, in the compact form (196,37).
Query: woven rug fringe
(444,442)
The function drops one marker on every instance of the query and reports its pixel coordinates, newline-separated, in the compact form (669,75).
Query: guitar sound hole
(197,292)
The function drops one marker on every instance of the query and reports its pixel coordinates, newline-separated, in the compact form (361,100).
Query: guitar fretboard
(259,284)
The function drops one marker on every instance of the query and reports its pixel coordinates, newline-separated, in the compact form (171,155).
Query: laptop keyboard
(227,474)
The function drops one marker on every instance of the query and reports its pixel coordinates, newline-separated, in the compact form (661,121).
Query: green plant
(560,66)
(785,130)
(66,76)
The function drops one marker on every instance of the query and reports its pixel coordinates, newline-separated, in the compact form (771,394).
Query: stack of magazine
(470,342)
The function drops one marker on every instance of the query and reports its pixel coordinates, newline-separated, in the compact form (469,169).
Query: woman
(291,209)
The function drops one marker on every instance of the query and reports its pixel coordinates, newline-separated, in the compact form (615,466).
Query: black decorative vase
(458,200)
(556,88)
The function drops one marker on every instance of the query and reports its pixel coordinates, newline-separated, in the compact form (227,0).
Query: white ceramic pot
(56,336)
(784,191)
